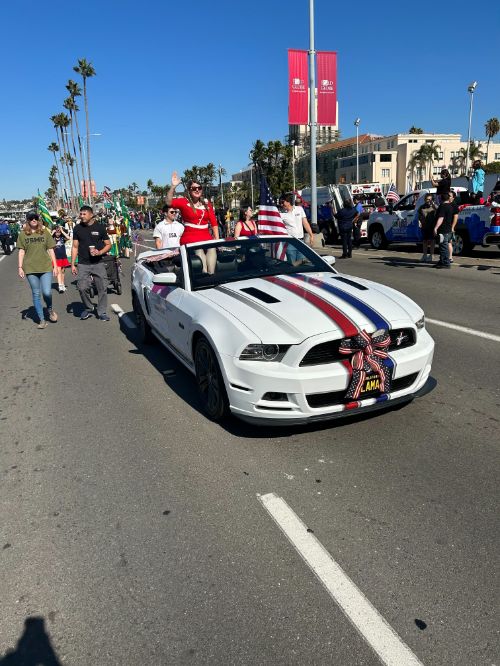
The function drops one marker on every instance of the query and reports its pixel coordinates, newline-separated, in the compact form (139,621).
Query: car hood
(289,309)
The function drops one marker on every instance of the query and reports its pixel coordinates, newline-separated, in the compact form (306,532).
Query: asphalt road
(132,530)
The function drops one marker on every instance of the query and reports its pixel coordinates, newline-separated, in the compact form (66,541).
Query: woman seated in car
(245,225)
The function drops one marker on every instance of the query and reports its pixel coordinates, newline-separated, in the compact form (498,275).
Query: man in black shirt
(90,242)
(346,219)
(444,222)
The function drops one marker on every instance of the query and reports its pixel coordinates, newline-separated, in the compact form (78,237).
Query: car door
(402,213)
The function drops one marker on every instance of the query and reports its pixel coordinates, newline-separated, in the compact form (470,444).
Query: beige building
(385,159)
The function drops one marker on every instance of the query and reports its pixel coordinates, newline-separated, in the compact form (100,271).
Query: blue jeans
(41,283)
(444,251)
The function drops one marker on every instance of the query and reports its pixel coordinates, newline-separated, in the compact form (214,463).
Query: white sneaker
(61,289)
(423,258)
(429,259)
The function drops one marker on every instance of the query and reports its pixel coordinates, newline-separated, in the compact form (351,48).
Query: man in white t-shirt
(168,232)
(295,221)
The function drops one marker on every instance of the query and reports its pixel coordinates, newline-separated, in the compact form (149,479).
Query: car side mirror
(165,278)
(330,260)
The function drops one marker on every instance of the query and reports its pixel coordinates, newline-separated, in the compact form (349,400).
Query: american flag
(392,194)
(269,219)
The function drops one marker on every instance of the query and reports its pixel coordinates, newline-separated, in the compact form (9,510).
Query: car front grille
(328,352)
(317,400)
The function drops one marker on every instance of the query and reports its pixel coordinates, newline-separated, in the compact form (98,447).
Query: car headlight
(264,352)
(420,323)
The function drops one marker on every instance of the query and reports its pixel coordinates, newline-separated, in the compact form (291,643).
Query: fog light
(275,396)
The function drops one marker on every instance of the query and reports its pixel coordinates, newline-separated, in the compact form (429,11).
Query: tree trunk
(74,153)
(61,199)
(65,184)
(82,163)
(66,152)
(88,140)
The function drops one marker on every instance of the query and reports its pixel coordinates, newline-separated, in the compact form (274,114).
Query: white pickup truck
(477,225)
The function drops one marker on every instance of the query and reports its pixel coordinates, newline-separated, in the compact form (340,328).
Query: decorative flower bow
(368,353)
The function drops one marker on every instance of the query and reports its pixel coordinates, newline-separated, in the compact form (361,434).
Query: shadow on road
(182,383)
(34,648)
(409,262)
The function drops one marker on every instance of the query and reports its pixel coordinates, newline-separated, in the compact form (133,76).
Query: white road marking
(464,329)
(2,257)
(375,630)
(122,316)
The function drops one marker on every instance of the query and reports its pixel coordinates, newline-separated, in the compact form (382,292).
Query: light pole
(221,188)
(471,89)
(251,181)
(293,167)
(89,195)
(356,123)
(312,116)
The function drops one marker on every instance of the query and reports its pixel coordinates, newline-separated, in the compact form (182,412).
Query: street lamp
(293,167)
(251,181)
(221,188)
(356,123)
(471,89)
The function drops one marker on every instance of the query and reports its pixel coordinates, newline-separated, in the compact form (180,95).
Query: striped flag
(392,194)
(43,210)
(269,220)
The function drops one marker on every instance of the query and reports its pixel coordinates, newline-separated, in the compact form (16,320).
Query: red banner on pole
(327,87)
(297,88)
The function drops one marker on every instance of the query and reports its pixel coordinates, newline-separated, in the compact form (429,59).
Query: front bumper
(247,382)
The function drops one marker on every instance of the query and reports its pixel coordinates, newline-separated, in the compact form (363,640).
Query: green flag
(43,210)
(80,201)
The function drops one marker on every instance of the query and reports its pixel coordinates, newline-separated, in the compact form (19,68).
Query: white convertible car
(276,335)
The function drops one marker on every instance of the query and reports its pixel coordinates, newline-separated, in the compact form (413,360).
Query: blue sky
(189,83)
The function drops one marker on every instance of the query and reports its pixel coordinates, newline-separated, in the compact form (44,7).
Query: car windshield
(251,258)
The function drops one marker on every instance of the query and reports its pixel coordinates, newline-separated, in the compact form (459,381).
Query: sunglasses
(172,211)
(196,187)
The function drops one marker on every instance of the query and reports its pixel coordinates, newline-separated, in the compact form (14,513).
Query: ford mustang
(276,335)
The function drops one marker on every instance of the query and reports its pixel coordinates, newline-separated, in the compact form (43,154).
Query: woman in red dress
(197,217)
(245,225)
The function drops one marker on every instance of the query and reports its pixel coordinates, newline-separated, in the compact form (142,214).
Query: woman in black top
(442,186)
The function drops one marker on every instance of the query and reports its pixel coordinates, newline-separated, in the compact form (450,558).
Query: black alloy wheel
(211,389)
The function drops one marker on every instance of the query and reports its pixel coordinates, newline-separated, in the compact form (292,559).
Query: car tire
(378,240)
(211,389)
(145,333)
(461,245)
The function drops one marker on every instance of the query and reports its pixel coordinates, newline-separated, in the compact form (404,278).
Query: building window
(440,154)
(497,156)
(452,153)
(386,157)
(386,173)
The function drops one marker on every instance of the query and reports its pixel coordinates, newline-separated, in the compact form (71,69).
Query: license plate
(371,387)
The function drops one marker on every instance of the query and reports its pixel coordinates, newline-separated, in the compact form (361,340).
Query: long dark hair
(243,216)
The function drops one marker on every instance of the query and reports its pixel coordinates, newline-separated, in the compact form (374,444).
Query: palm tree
(86,71)
(54,148)
(70,104)
(475,153)
(75,91)
(56,122)
(415,130)
(492,127)
(63,125)
(427,153)
(413,168)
